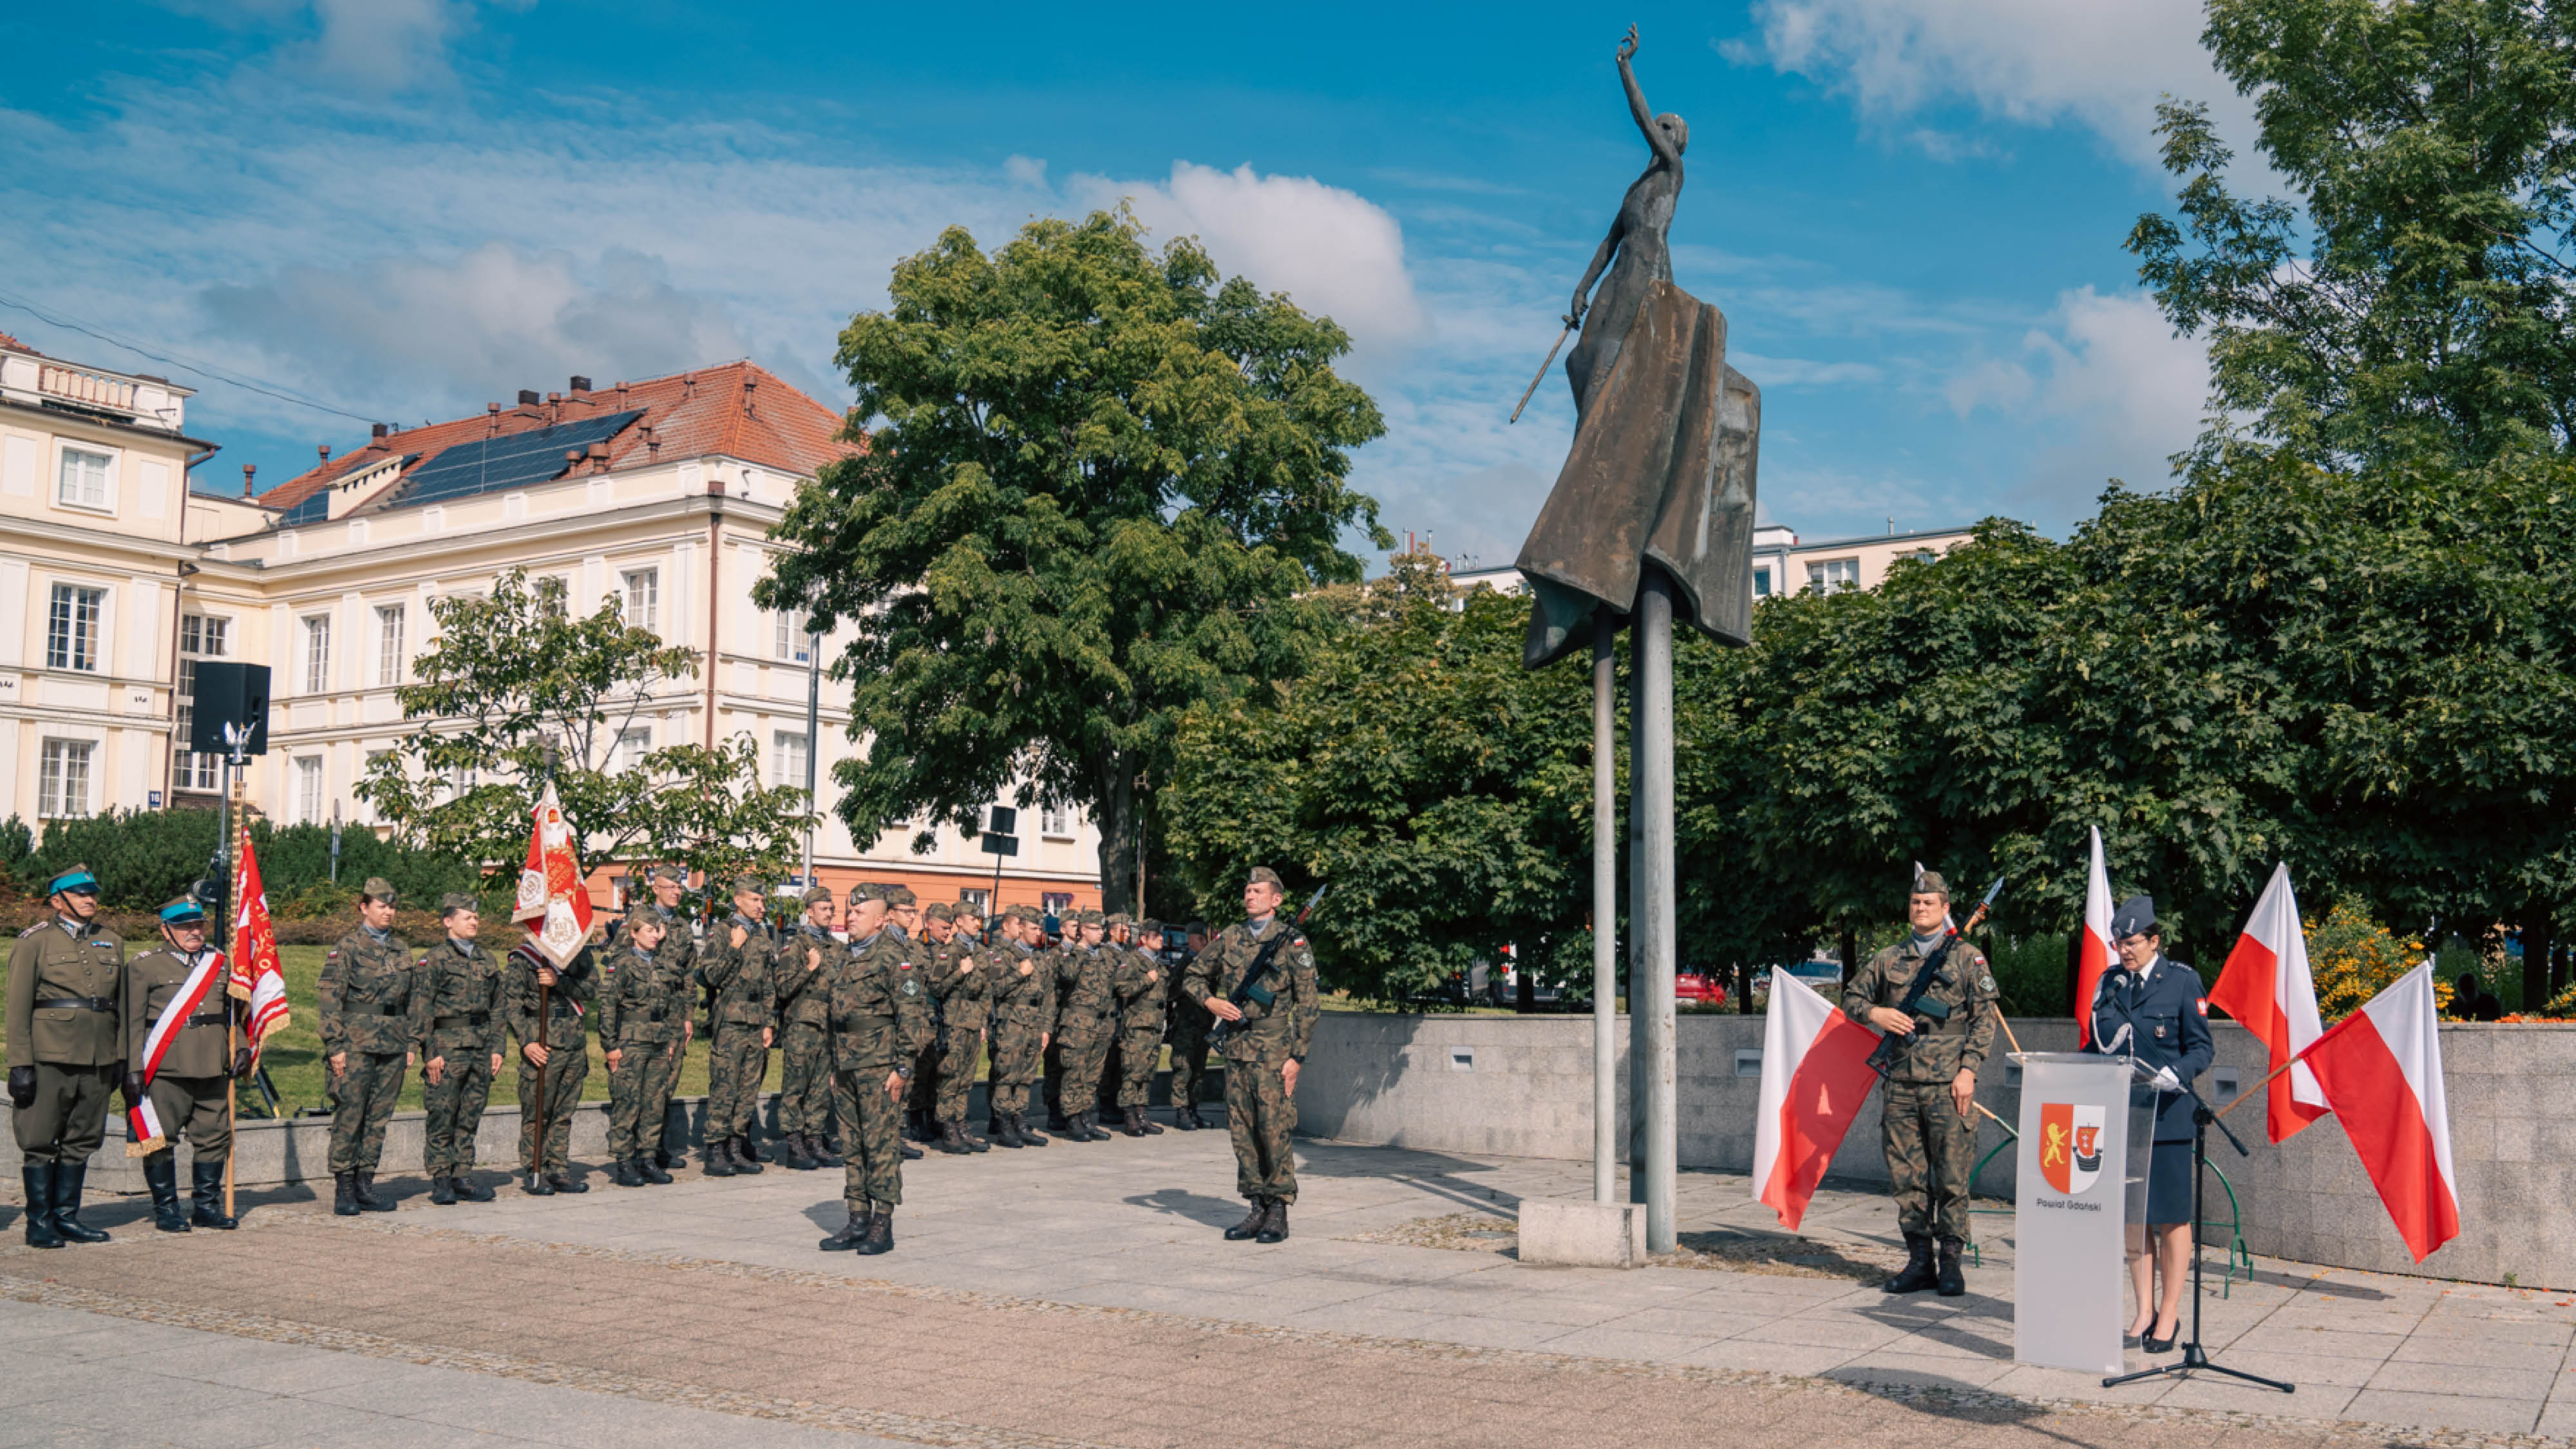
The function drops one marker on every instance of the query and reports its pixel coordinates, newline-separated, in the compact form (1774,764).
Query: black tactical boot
(910,1152)
(647,1169)
(535,1185)
(880,1234)
(442,1191)
(1187,1119)
(208,1178)
(999,1129)
(1152,1127)
(467,1189)
(565,1182)
(1028,1134)
(1060,1124)
(791,1153)
(1953,1282)
(1091,1126)
(820,1148)
(973,1142)
(344,1194)
(1252,1223)
(665,1159)
(718,1157)
(622,1172)
(1131,1120)
(367,1195)
(746,1158)
(1275,1228)
(161,1175)
(67,1196)
(850,1236)
(952,1140)
(1919,1273)
(39,1180)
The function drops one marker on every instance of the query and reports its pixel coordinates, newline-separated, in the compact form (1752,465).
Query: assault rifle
(1912,1003)
(1250,988)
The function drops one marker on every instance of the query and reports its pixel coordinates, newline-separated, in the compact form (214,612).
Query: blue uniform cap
(78,878)
(2136,917)
(183,913)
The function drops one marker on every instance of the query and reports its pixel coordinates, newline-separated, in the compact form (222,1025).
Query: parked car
(1698,989)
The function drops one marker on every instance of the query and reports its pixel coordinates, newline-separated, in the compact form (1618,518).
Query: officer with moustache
(178,1033)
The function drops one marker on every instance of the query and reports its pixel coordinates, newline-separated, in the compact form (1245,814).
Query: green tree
(517,682)
(2417,305)
(1100,487)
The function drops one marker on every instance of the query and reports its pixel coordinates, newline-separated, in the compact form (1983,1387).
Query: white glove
(2166,1081)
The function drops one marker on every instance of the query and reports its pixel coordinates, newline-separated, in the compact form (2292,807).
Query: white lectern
(2086,1132)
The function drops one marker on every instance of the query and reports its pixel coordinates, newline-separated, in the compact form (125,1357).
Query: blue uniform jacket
(2169,1021)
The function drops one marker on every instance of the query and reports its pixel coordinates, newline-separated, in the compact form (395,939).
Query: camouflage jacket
(1082,975)
(740,975)
(50,963)
(1938,1050)
(960,981)
(1268,1035)
(880,1008)
(1023,986)
(457,986)
(367,996)
(804,995)
(1137,988)
(646,998)
(575,984)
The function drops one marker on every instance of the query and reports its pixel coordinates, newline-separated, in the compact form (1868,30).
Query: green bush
(146,857)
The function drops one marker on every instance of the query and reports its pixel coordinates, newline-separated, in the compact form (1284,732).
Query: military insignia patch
(1986,983)
(912,988)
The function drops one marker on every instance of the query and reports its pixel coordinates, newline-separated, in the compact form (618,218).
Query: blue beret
(183,912)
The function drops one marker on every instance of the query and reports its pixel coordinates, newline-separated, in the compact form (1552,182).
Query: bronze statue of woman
(1637,253)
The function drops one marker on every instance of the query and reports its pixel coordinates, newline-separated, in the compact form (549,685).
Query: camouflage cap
(1022,912)
(1264,875)
(818,896)
(750,885)
(1085,918)
(1119,918)
(866,890)
(1930,883)
(378,889)
(638,920)
(900,895)
(677,875)
(939,911)
(454,901)
(968,911)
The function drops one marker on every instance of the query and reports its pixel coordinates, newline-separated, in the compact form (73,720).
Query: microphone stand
(2194,1357)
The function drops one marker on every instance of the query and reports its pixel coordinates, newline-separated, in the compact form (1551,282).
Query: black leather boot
(746,1158)
(649,1170)
(1028,1135)
(534,1184)
(1188,1119)
(851,1235)
(467,1189)
(1131,1120)
(1952,1281)
(161,1175)
(718,1157)
(442,1191)
(367,1198)
(1919,1273)
(792,1153)
(1252,1223)
(1274,1229)
(973,1142)
(880,1235)
(952,1140)
(1152,1127)
(344,1194)
(67,1200)
(39,1180)
(819,1147)
(622,1172)
(999,1129)
(208,1178)
(665,1159)
(908,1152)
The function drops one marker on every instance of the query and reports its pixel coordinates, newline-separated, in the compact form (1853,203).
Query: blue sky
(1911,210)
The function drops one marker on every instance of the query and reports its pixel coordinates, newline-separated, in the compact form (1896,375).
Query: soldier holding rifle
(1258,979)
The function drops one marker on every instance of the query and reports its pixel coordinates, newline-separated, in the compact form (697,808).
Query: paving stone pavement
(1082,1294)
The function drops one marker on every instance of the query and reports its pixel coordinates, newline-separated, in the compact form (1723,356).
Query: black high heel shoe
(2153,1344)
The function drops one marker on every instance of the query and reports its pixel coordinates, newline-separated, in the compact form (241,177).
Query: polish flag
(2093,949)
(2266,987)
(258,979)
(553,900)
(1815,1076)
(2382,1069)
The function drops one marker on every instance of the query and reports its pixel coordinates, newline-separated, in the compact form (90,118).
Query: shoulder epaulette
(31,930)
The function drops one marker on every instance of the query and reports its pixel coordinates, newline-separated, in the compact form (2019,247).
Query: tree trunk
(1114,815)
(1851,953)
(2536,944)
(1524,987)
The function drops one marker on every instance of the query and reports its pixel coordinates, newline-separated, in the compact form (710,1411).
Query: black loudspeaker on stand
(229,694)
(2194,1357)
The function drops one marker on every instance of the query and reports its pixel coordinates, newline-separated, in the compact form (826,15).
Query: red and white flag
(2093,948)
(1815,1076)
(257,977)
(553,901)
(2382,1069)
(2266,986)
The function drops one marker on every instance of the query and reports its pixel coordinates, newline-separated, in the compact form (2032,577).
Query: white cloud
(2101,64)
(376,46)
(2117,392)
(1026,170)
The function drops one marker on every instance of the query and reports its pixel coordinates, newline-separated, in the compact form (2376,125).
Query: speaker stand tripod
(2196,1359)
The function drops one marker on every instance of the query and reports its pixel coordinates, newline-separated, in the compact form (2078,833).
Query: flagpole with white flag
(2268,988)
(2381,1069)
(2093,948)
(1815,1076)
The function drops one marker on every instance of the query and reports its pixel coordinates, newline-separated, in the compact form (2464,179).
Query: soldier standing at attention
(903,924)
(178,1038)
(460,1049)
(804,1016)
(1023,1009)
(880,1023)
(66,1053)
(1138,989)
(1190,1025)
(370,1028)
(642,1012)
(736,963)
(1265,1047)
(1929,1128)
(679,949)
(959,991)
(1082,1029)
(556,1069)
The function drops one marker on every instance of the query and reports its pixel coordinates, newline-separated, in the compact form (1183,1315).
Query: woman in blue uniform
(2166,1013)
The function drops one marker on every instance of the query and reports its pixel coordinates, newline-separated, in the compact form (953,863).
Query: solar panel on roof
(511,461)
(315,509)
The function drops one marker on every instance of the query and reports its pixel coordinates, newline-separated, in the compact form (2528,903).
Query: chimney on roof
(492,419)
(580,383)
(324,449)
(750,385)
(688,386)
(528,397)
(597,453)
(248,470)
(652,444)
(379,433)
(621,394)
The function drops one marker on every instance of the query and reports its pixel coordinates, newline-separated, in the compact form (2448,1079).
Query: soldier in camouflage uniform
(1265,1048)
(643,1012)
(680,948)
(880,1023)
(552,1064)
(1929,1128)
(963,997)
(1138,990)
(1190,1026)
(1023,1005)
(370,1031)
(803,967)
(460,1050)
(735,962)
(66,1052)
(1082,1026)
(186,1081)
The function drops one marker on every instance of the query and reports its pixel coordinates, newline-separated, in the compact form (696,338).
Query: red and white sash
(143,1125)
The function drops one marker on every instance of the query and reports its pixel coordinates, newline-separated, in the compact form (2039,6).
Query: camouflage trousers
(961,1040)
(1931,1152)
(1075,1076)
(193,1107)
(368,1087)
(1261,1116)
(736,1064)
(805,1078)
(1190,1025)
(872,1138)
(1139,1043)
(454,1105)
(567,1067)
(639,1097)
(1015,1063)
(68,1119)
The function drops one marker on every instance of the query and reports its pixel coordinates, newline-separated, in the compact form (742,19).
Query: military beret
(1150,926)
(185,911)
(1264,875)
(378,888)
(866,890)
(78,878)
(750,885)
(1197,928)
(454,901)
(1930,883)
(1023,912)
(900,895)
(2135,917)
(939,911)
(1119,918)
(1086,918)
(672,873)
(818,896)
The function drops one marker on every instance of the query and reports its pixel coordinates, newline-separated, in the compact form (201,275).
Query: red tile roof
(738,409)
(13,344)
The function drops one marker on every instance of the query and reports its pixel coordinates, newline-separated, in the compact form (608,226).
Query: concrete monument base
(1583,1234)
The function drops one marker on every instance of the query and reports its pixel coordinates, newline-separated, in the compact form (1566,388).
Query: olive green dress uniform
(1260,1114)
(1931,1147)
(804,1031)
(641,1011)
(745,1003)
(67,1028)
(462,1022)
(1023,1011)
(370,1008)
(880,1021)
(188,1092)
(1190,1026)
(567,1066)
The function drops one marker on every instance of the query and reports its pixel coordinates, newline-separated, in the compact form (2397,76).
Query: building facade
(659,493)
(1783,563)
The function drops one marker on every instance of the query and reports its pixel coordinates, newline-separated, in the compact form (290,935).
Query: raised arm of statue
(1659,134)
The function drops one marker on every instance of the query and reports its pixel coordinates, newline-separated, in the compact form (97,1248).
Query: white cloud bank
(2115,390)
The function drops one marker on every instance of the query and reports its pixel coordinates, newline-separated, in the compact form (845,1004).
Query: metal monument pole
(1605,907)
(1650,933)
(813,738)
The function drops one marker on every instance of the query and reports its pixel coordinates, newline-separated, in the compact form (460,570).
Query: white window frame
(1762,581)
(643,598)
(81,642)
(1833,575)
(66,769)
(197,632)
(106,500)
(1055,822)
(788,752)
(794,642)
(392,624)
(317,653)
(308,789)
(633,743)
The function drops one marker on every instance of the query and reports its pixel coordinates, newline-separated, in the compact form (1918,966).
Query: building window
(62,781)
(1761,583)
(1056,821)
(787,760)
(71,629)
(1055,903)
(632,746)
(389,644)
(200,637)
(793,641)
(643,598)
(317,653)
(308,789)
(84,480)
(375,758)
(974,896)
(553,603)
(1827,576)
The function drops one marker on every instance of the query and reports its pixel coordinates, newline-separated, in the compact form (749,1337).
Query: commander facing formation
(1257,978)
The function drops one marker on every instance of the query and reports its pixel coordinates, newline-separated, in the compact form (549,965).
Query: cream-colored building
(1783,563)
(661,493)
